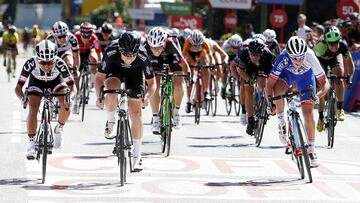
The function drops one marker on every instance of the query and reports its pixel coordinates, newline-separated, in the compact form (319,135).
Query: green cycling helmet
(333,34)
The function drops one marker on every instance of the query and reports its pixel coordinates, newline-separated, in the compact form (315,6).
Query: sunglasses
(234,47)
(333,44)
(86,36)
(157,48)
(129,55)
(254,54)
(46,63)
(61,36)
(297,58)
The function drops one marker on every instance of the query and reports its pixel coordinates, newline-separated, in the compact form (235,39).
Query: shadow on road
(216,138)
(98,143)
(258,183)
(15,181)
(222,146)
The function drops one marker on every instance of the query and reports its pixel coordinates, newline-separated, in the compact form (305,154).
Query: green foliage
(106,12)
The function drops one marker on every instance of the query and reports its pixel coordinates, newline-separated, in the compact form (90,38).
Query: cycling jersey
(274,47)
(71,44)
(39,80)
(93,43)
(322,51)
(10,39)
(265,62)
(303,76)
(190,53)
(171,55)
(216,51)
(230,52)
(102,41)
(132,74)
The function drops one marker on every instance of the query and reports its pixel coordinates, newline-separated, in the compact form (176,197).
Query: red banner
(182,22)
(230,20)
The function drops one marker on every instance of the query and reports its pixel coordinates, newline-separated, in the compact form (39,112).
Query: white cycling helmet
(260,37)
(296,46)
(235,40)
(270,35)
(45,50)
(157,37)
(175,32)
(187,32)
(60,28)
(196,38)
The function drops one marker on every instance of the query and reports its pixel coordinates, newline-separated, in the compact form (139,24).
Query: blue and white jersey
(283,63)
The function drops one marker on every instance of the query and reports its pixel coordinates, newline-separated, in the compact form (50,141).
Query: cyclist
(297,64)
(162,49)
(251,60)
(67,49)
(271,41)
(10,40)
(105,36)
(221,59)
(35,35)
(124,62)
(195,46)
(89,46)
(186,33)
(231,47)
(334,52)
(44,71)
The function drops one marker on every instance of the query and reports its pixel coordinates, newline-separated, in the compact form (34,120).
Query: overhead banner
(141,14)
(231,4)
(178,9)
(182,22)
(292,2)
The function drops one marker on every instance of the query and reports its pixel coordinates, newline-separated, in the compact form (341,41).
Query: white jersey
(71,43)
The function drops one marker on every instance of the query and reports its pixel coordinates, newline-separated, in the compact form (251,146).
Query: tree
(106,12)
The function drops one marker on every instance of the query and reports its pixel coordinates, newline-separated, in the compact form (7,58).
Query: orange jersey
(190,52)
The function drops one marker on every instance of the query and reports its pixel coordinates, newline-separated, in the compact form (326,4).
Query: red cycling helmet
(86,29)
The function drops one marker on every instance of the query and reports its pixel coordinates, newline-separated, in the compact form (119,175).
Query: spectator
(303,30)
(249,31)
(354,32)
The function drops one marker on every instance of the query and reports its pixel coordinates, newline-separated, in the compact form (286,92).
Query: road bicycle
(198,90)
(330,110)
(44,141)
(297,137)
(84,89)
(166,106)
(123,138)
(211,105)
(232,95)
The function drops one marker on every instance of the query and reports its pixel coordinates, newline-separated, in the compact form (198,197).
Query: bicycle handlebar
(47,94)
(292,94)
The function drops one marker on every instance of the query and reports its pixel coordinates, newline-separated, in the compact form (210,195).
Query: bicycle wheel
(213,95)
(331,120)
(297,158)
(198,103)
(229,96)
(237,105)
(261,121)
(163,121)
(301,134)
(84,85)
(44,149)
(8,66)
(208,102)
(120,151)
(168,129)
(128,141)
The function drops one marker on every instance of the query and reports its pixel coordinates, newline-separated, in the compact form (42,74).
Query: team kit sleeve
(74,43)
(281,62)
(26,71)
(315,65)
(64,71)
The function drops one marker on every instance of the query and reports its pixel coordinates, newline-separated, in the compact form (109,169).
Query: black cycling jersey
(104,43)
(265,62)
(170,55)
(274,47)
(133,74)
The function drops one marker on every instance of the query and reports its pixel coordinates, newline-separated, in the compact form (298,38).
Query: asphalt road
(212,162)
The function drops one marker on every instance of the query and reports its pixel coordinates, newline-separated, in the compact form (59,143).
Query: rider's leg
(136,127)
(34,103)
(13,55)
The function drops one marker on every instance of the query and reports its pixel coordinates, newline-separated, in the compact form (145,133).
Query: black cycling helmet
(106,28)
(256,46)
(129,43)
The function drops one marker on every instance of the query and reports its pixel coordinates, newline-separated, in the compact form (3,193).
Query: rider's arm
(347,59)
(318,72)
(233,69)
(150,80)
(207,49)
(75,49)
(25,72)
(223,54)
(185,51)
(99,82)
